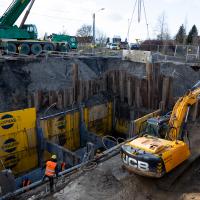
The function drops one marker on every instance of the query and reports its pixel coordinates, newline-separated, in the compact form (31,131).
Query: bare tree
(84,31)
(162,30)
(101,38)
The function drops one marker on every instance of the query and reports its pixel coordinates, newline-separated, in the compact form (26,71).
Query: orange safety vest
(26,182)
(50,168)
(63,164)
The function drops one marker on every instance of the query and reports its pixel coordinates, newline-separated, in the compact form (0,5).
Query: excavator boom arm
(180,111)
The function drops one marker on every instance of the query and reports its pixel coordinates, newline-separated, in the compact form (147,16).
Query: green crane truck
(23,39)
(71,41)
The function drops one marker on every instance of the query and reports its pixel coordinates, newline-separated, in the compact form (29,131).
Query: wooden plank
(144,92)
(156,84)
(75,79)
(121,85)
(59,104)
(30,101)
(137,94)
(65,98)
(149,72)
(129,95)
(80,93)
(71,95)
(87,89)
(52,97)
(37,99)
(165,91)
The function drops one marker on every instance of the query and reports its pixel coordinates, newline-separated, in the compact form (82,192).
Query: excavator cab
(158,126)
(32,30)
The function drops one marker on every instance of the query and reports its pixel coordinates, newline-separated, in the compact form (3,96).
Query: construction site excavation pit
(82,109)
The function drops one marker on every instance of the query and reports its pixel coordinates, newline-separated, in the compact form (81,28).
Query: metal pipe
(94,29)
(110,152)
(38,183)
(57,114)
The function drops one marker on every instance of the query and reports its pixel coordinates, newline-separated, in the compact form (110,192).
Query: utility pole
(94,30)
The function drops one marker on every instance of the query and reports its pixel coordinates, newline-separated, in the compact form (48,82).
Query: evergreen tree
(181,35)
(192,36)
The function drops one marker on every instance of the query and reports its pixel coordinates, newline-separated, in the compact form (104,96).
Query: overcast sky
(53,16)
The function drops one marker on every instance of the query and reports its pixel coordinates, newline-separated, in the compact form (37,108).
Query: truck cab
(32,30)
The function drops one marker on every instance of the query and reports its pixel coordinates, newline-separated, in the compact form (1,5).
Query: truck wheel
(64,48)
(11,48)
(36,49)
(48,47)
(24,49)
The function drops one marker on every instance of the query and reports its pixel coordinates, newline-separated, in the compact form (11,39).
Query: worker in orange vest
(26,182)
(63,166)
(51,170)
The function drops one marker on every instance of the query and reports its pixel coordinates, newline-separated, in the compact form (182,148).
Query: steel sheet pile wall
(141,92)
(149,92)
(63,130)
(18,140)
(98,118)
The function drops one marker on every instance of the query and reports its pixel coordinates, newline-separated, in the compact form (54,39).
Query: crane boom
(13,12)
(27,13)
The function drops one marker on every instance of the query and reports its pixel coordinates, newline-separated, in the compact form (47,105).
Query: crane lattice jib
(13,12)
(180,111)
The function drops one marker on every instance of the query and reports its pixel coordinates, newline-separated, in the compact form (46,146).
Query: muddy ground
(110,181)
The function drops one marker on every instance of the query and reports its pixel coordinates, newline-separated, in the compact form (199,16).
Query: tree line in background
(85,32)
(192,37)
(161,32)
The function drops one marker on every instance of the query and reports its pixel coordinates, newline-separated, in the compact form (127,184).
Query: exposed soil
(20,78)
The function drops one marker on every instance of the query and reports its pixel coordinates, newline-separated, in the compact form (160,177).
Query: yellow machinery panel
(20,162)
(178,153)
(18,140)
(47,155)
(139,124)
(63,130)
(98,118)
(122,126)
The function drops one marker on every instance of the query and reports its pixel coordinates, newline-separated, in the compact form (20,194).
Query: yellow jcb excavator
(161,148)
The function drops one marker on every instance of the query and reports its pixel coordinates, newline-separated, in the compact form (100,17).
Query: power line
(134,7)
(140,4)
(145,15)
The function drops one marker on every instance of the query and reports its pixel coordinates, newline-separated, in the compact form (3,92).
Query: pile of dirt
(55,73)
(14,82)
(184,76)
(18,79)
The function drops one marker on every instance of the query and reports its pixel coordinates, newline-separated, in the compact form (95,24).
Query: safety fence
(182,53)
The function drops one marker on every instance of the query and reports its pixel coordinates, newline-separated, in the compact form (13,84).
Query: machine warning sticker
(10,145)
(11,162)
(61,123)
(7,121)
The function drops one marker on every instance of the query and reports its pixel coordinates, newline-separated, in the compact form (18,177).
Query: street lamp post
(94,37)
(94,29)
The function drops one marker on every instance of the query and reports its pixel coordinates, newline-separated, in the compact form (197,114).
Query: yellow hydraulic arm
(181,110)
